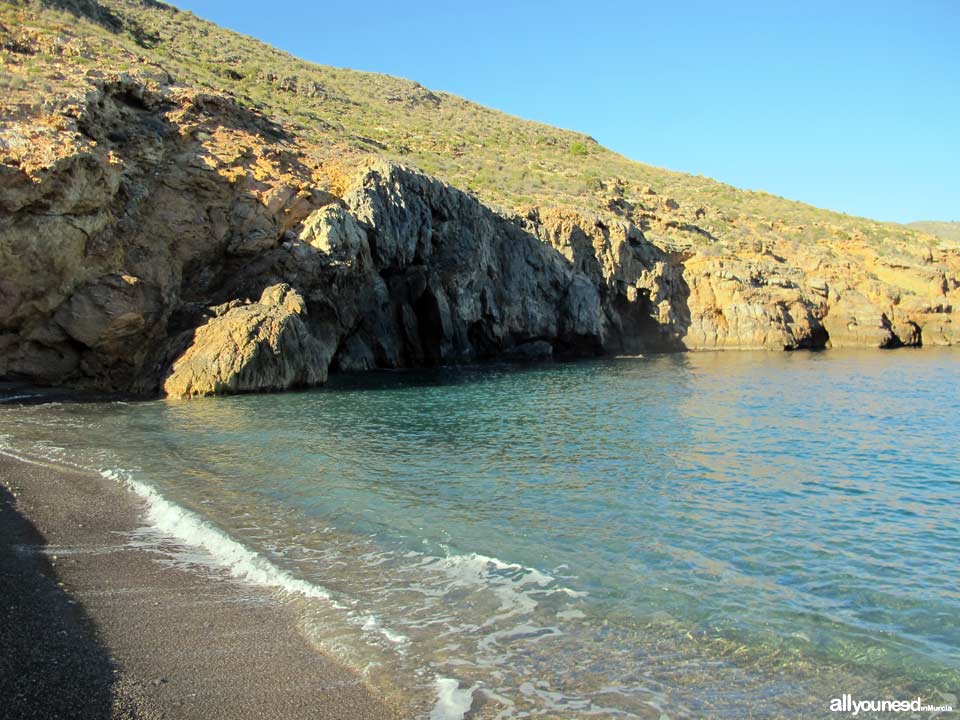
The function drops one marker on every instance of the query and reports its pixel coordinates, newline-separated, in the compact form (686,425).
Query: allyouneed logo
(846,703)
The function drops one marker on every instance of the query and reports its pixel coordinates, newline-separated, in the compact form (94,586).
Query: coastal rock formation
(458,281)
(751,305)
(153,262)
(170,225)
(160,238)
(641,286)
(249,347)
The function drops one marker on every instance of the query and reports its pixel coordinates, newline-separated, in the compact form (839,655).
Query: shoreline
(105,629)
(226,527)
(27,393)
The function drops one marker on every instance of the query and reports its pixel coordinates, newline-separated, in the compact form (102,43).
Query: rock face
(757,299)
(170,241)
(455,282)
(249,347)
(750,305)
(641,287)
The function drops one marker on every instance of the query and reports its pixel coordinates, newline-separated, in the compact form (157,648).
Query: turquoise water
(716,534)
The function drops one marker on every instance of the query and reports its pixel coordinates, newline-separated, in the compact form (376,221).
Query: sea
(698,535)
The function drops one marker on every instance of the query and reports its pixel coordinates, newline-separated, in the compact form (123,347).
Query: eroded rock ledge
(170,241)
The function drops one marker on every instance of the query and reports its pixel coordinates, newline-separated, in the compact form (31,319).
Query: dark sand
(91,627)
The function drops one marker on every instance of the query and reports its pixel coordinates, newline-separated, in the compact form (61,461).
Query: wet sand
(94,627)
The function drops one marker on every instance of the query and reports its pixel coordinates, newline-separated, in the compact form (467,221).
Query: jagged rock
(906,332)
(261,346)
(257,241)
(856,321)
(640,287)
(463,282)
(334,231)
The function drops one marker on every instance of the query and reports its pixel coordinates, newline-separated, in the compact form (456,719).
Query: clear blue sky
(853,106)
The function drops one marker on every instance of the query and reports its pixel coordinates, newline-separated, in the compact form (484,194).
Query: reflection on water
(689,535)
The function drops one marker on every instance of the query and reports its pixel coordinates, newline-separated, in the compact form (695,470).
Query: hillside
(504,160)
(949,231)
(103,103)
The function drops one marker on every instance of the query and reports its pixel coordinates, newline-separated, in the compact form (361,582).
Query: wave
(517,587)
(241,562)
(14,398)
(474,566)
(189,528)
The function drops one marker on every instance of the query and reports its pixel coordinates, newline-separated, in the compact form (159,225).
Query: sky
(847,105)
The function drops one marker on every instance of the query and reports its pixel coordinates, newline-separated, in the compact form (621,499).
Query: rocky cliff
(163,238)
(175,245)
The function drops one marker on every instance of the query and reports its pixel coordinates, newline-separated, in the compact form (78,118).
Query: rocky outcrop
(641,286)
(407,271)
(248,347)
(756,297)
(171,241)
(742,305)
(458,281)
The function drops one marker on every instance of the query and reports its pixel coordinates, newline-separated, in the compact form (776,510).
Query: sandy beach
(93,626)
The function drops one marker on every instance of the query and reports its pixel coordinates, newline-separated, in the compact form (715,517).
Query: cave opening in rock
(482,340)
(640,330)
(429,327)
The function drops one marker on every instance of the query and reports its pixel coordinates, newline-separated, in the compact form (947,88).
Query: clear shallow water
(688,535)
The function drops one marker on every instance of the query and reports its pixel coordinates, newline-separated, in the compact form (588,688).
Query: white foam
(475,566)
(371,623)
(452,702)
(516,586)
(190,529)
(12,398)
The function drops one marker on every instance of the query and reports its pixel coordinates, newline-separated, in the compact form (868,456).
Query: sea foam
(452,702)
(192,530)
